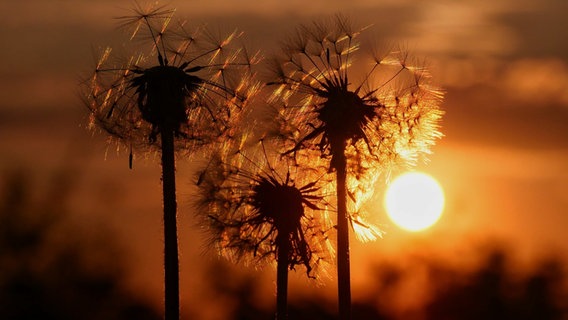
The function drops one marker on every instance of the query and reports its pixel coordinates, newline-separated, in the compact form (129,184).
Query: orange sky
(503,161)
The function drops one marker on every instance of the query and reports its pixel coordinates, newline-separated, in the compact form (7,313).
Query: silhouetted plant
(48,268)
(496,291)
(496,288)
(259,207)
(362,128)
(186,88)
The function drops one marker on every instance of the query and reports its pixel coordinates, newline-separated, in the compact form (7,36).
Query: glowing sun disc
(414,201)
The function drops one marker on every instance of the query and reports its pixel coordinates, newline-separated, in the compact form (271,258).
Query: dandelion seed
(362,128)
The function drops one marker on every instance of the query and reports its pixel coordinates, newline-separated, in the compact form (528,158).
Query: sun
(414,201)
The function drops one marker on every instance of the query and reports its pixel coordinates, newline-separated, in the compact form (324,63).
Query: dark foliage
(48,271)
(492,291)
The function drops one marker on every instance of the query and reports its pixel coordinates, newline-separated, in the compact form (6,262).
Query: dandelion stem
(343,267)
(282,277)
(171,264)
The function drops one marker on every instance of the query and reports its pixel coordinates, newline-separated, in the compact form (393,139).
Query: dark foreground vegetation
(49,269)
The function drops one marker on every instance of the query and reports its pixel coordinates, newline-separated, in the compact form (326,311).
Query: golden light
(414,201)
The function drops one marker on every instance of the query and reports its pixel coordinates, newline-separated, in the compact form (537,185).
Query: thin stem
(343,268)
(282,277)
(171,264)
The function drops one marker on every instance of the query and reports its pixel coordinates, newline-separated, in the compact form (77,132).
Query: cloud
(466,28)
(537,81)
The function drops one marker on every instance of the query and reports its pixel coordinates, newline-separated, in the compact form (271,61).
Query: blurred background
(81,234)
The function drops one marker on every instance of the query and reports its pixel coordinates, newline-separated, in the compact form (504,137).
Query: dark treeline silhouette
(493,290)
(48,269)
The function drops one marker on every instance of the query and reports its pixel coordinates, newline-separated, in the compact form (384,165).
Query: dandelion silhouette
(389,117)
(257,211)
(187,89)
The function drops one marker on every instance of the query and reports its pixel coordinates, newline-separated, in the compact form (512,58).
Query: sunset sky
(503,161)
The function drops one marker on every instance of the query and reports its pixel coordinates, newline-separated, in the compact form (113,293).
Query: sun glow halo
(414,201)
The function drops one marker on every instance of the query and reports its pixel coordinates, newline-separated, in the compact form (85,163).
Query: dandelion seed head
(253,197)
(281,204)
(188,80)
(379,111)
